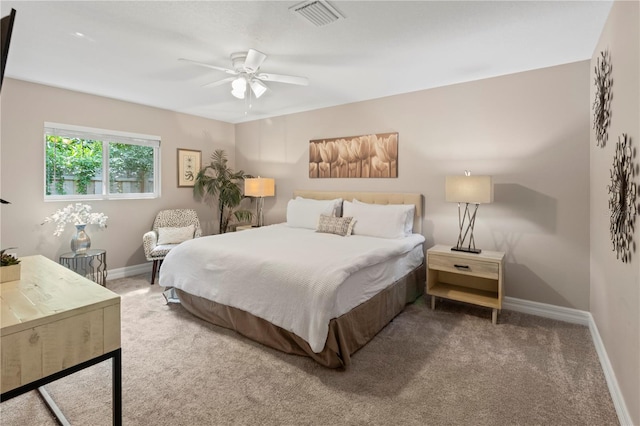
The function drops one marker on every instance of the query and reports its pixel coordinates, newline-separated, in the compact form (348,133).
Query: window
(85,163)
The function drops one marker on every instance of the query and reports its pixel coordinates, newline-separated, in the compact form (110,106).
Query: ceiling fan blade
(279,78)
(202,64)
(219,82)
(254,60)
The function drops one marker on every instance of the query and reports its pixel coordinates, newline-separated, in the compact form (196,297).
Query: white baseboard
(616,395)
(129,271)
(577,316)
(574,316)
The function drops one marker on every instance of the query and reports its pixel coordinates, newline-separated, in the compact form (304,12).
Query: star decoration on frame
(622,199)
(603,96)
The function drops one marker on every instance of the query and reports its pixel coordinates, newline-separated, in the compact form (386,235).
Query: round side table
(91,264)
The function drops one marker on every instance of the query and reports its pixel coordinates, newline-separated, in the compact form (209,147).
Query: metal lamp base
(466,249)
(466,221)
(260,212)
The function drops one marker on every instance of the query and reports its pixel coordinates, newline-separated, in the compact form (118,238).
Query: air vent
(318,12)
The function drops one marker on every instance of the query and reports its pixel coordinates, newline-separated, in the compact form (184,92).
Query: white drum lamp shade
(469,189)
(260,187)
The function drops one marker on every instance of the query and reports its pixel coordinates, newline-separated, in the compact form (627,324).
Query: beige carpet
(450,366)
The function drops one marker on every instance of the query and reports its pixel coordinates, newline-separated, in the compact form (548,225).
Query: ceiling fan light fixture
(239,87)
(258,88)
(247,81)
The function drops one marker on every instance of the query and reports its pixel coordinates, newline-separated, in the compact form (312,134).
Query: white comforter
(287,276)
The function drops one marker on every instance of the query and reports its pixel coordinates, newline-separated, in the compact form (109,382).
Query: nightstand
(466,277)
(92,264)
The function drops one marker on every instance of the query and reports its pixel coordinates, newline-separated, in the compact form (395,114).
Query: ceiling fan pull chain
(247,101)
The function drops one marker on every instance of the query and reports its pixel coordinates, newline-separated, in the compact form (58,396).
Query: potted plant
(216,182)
(9,266)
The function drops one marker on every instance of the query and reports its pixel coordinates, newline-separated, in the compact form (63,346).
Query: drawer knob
(461,266)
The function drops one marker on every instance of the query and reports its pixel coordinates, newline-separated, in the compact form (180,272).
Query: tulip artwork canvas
(367,156)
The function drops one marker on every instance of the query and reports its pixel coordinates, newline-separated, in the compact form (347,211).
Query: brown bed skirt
(347,333)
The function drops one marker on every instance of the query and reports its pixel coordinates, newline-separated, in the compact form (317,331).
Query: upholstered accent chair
(170,228)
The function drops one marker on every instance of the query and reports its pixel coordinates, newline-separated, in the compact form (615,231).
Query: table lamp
(468,189)
(259,187)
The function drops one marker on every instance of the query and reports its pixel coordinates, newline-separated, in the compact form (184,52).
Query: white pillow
(175,235)
(373,221)
(337,204)
(305,212)
(410,210)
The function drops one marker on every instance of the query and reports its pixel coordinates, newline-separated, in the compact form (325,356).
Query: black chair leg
(153,271)
(156,270)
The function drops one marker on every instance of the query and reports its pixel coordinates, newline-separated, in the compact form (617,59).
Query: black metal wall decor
(603,96)
(622,199)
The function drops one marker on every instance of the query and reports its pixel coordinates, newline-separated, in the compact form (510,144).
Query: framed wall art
(366,156)
(189,164)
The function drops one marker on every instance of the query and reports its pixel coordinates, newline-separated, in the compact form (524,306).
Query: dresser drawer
(476,267)
(38,352)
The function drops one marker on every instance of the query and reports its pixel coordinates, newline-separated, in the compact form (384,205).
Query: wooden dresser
(55,322)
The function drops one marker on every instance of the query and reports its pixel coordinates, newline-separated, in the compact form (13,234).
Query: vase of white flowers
(79,215)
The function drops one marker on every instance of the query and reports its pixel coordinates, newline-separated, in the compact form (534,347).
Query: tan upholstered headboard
(373,198)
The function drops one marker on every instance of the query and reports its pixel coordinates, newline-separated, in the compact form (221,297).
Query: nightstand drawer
(459,265)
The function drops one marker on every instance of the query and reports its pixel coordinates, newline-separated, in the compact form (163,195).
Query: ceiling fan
(246,75)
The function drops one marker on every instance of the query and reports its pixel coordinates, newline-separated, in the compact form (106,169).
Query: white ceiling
(131,48)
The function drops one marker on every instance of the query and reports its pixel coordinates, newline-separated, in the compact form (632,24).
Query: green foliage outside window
(78,162)
(130,161)
(79,158)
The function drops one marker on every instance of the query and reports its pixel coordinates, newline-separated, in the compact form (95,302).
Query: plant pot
(9,273)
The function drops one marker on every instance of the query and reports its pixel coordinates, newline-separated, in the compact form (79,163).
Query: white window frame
(106,136)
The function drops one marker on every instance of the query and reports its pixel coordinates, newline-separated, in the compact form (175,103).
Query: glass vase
(80,242)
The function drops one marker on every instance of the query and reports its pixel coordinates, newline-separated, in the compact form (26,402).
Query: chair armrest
(149,242)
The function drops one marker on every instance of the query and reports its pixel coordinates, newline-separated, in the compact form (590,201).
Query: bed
(302,291)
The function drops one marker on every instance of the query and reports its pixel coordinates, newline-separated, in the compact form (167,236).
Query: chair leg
(153,271)
(156,270)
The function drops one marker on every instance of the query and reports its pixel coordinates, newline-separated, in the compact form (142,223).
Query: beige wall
(528,130)
(25,108)
(615,286)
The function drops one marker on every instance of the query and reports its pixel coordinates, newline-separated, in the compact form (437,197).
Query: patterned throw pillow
(335,225)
